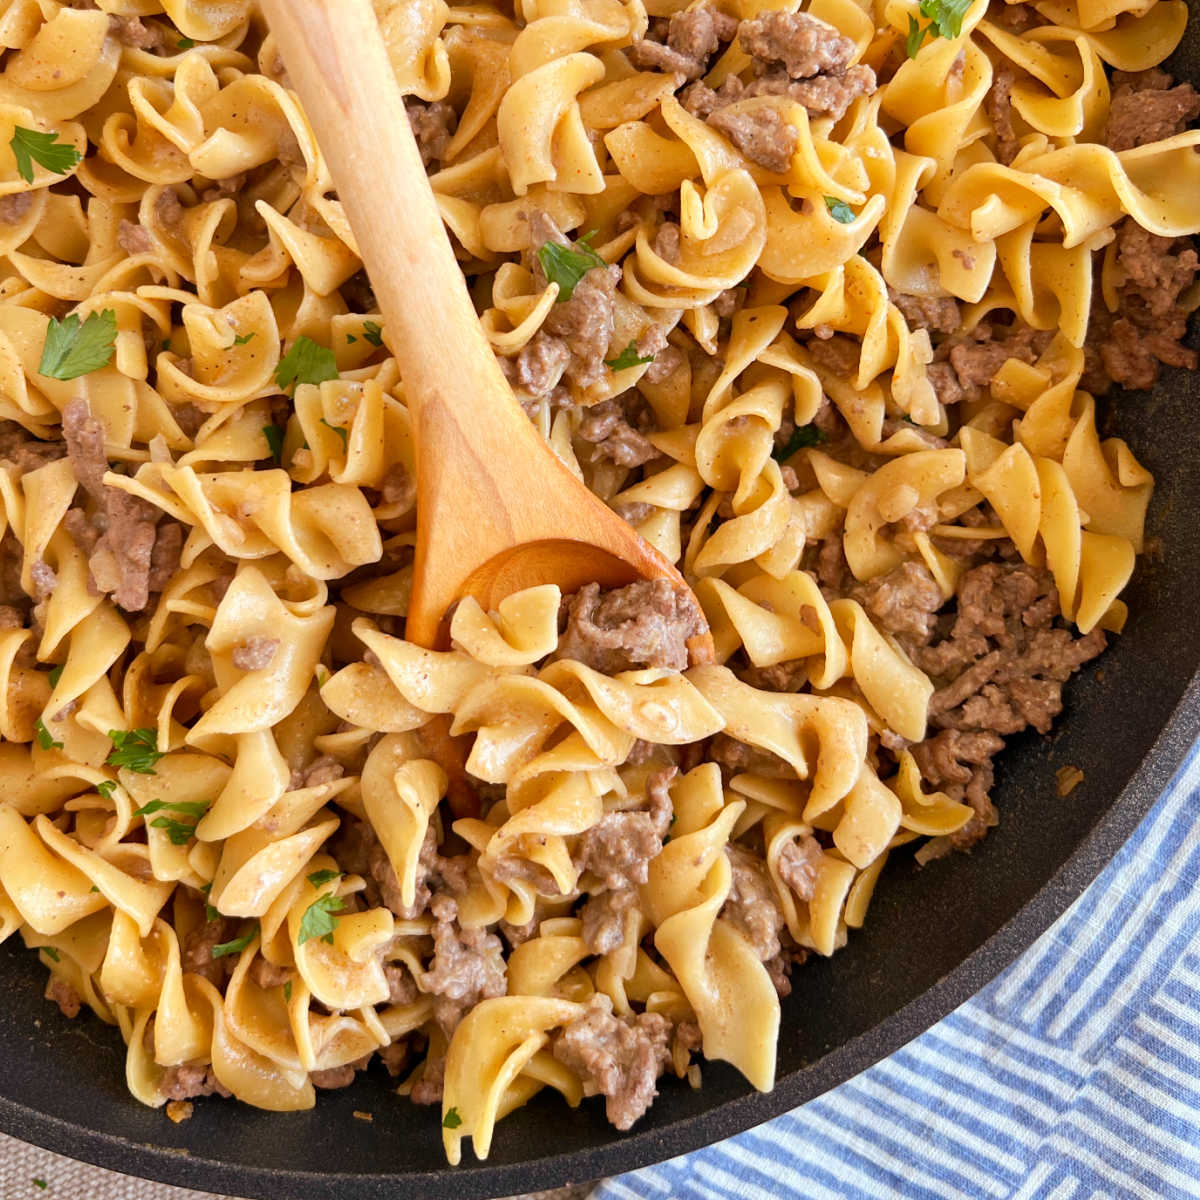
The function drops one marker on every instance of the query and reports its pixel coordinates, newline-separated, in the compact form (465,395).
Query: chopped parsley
(340,430)
(945,20)
(45,738)
(41,1184)
(451,1120)
(211,912)
(186,43)
(179,832)
(136,749)
(287,991)
(567,265)
(55,675)
(30,146)
(319,879)
(73,349)
(192,808)
(274,436)
(237,945)
(373,333)
(320,919)
(306,362)
(350,339)
(241,341)
(52,954)
(628,357)
(803,437)
(839,210)
(106,788)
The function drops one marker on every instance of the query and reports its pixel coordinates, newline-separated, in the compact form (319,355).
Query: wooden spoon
(497,511)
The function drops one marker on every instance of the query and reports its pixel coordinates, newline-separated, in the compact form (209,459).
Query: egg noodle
(819,301)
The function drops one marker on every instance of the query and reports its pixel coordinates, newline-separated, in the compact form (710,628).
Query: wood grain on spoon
(497,511)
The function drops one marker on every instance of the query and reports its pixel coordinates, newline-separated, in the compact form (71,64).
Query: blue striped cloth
(1075,1074)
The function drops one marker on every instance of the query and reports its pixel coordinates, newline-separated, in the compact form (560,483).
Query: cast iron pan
(933,938)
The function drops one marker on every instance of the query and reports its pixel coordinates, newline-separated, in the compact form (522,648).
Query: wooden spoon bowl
(497,511)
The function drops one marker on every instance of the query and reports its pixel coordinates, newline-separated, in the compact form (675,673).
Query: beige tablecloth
(24,1169)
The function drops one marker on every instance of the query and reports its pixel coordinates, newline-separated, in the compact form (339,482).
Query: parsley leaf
(29,146)
(41,1184)
(56,675)
(839,210)
(451,1120)
(211,912)
(186,43)
(567,265)
(945,20)
(274,436)
(305,362)
(320,920)
(237,945)
(137,750)
(373,333)
(628,357)
(320,878)
(191,808)
(350,339)
(106,788)
(287,991)
(916,35)
(72,349)
(340,430)
(241,341)
(51,953)
(179,832)
(805,435)
(45,738)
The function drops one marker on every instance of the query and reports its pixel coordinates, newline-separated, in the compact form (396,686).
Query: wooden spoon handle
(338,64)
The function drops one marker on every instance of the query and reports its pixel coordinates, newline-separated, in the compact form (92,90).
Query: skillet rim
(480,1181)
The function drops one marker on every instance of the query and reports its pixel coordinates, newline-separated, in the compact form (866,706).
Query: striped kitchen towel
(1075,1074)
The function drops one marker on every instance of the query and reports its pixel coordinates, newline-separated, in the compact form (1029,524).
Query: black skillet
(933,938)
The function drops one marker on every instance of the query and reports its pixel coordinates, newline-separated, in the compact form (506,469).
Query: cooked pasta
(819,301)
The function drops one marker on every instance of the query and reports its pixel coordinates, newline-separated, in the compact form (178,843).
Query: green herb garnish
(211,913)
(186,43)
(628,357)
(305,362)
(373,333)
(320,919)
(567,265)
(241,341)
(72,349)
(106,788)
(451,1120)
(839,210)
(319,879)
(29,146)
(56,675)
(191,808)
(45,738)
(237,945)
(340,430)
(40,1183)
(804,436)
(287,991)
(274,436)
(945,20)
(136,749)
(52,954)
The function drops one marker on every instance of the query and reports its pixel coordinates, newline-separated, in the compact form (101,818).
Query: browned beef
(960,764)
(538,366)
(395,1057)
(360,851)
(1152,312)
(322,769)
(902,601)
(666,245)
(607,430)
(976,355)
(433,125)
(120,534)
(799,861)
(27,453)
(821,95)
(998,106)
(133,32)
(692,36)
(267,975)
(1145,107)
(197,953)
(584,323)
(752,906)
(402,988)
(14,207)
(604,918)
(189,1081)
(1014,17)
(760,134)
(428,1089)
(255,653)
(804,45)
(778,677)
(938,313)
(65,996)
(398,486)
(467,966)
(646,624)
(619,847)
(134,239)
(334,1078)
(737,758)
(619,1057)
